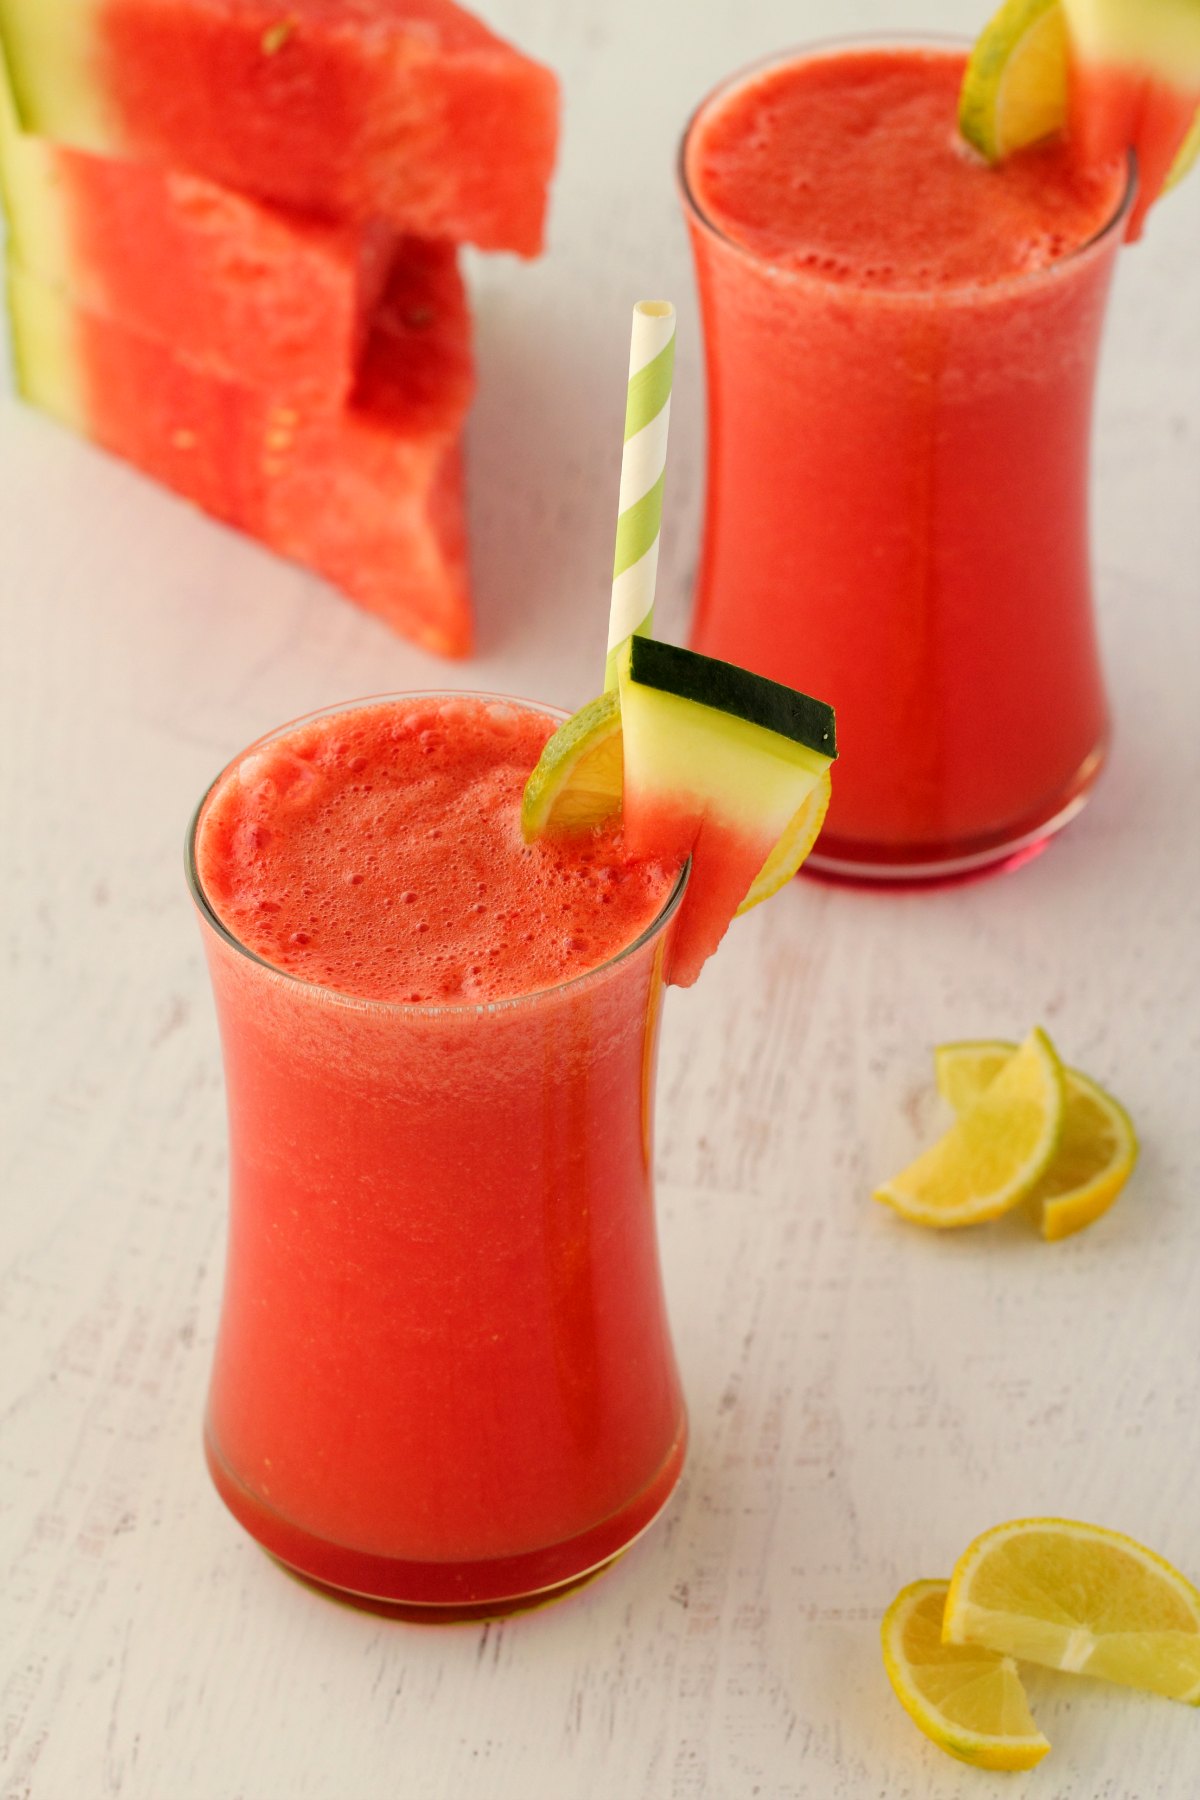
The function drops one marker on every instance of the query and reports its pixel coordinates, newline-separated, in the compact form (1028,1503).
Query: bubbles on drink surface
(850,169)
(378,852)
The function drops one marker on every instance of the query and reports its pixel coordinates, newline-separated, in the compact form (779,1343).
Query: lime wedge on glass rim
(576,784)
(1014,90)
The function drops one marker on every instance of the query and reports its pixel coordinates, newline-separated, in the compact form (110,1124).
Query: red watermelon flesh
(272,298)
(718,764)
(725,858)
(1115,110)
(411,110)
(374,499)
(370,495)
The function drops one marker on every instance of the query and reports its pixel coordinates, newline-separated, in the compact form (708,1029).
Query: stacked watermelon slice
(233,260)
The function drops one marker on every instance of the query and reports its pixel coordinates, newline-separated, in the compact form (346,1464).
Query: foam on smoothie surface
(851,166)
(379,852)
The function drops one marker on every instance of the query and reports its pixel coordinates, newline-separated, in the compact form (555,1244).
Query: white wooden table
(864,1397)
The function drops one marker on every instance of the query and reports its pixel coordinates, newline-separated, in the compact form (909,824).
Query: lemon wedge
(1095,1155)
(968,1701)
(964,1068)
(995,1152)
(1077,1597)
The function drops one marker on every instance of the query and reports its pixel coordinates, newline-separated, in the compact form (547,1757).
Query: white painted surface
(864,1397)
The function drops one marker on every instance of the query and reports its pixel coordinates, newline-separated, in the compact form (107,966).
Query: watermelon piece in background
(370,495)
(274,298)
(410,110)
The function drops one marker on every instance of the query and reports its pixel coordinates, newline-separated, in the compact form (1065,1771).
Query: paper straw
(639,513)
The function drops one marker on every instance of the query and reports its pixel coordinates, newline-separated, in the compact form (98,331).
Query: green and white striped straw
(639,515)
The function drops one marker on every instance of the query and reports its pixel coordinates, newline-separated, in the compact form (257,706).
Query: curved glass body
(443,1376)
(897,518)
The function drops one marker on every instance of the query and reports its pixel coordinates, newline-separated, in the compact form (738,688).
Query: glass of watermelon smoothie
(901,349)
(443,1377)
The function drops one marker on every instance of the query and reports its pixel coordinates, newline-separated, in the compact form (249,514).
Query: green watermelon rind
(729,689)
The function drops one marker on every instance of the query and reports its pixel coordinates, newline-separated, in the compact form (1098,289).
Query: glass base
(875,865)
(446,1592)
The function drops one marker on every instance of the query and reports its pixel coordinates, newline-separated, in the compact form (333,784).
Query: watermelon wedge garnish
(1134,85)
(718,763)
(406,110)
(715,764)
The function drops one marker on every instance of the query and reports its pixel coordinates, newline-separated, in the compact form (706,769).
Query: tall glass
(897,517)
(444,1375)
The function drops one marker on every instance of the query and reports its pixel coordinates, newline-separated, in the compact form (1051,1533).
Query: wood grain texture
(864,1397)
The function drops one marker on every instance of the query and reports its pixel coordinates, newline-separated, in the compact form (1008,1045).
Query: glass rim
(880,40)
(318,991)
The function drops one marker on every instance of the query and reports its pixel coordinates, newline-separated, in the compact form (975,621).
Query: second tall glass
(897,517)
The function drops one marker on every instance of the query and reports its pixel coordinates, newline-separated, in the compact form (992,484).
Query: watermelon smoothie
(901,349)
(443,1375)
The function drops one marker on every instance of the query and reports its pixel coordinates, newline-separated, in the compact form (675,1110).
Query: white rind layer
(1159,36)
(33,198)
(45,349)
(52,51)
(733,772)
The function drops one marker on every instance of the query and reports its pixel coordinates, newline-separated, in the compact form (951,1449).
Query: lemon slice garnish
(968,1701)
(1095,1155)
(1079,1598)
(995,1152)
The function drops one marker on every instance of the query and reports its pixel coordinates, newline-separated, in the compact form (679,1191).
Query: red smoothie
(901,346)
(443,1374)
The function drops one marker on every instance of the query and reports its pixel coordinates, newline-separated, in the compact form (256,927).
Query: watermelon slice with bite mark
(407,110)
(722,766)
(276,299)
(369,495)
